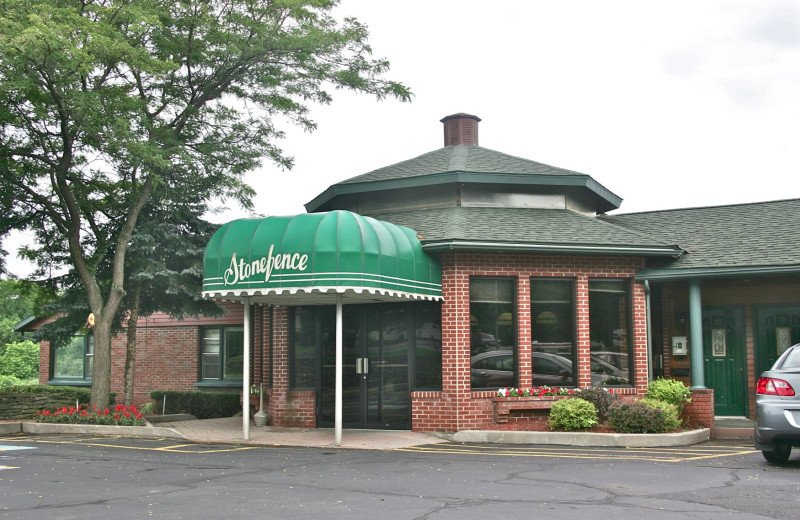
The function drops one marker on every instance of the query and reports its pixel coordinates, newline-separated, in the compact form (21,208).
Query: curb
(91,429)
(11,427)
(630,440)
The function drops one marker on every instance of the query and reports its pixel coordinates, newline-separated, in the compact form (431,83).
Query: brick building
(407,296)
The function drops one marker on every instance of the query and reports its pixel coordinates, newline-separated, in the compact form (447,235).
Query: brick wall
(700,412)
(457,407)
(167,354)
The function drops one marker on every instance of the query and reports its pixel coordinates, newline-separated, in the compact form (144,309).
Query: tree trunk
(130,350)
(101,369)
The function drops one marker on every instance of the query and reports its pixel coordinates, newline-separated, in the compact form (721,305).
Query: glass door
(375,387)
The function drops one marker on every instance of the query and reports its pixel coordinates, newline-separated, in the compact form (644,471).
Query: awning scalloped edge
(331,290)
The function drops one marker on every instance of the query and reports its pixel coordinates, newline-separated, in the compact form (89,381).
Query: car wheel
(779,454)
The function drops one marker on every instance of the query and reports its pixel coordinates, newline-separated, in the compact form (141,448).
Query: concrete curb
(90,429)
(11,427)
(630,440)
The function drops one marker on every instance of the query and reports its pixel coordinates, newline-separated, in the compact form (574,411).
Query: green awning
(310,258)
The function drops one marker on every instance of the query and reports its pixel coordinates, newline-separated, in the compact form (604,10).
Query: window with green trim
(222,354)
(73,361)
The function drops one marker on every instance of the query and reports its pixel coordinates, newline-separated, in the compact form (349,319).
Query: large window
(609,330)
(73,362)
(222,354)
(552,332)
(493,332)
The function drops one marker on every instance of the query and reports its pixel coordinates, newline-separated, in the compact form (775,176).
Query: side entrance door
(375,389)
(724,359)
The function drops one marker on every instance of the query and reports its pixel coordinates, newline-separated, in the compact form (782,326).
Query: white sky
(667,104)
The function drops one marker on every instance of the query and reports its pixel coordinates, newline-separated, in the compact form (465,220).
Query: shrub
(672,417)
(636,417)
(572,414)
(203,405)
(82,395)
(20,360)
(670,391)
(601,398)
(9,381)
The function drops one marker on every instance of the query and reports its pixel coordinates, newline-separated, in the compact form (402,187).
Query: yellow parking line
(678,454)
(174,448)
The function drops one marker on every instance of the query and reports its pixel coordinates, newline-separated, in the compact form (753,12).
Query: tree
(106,103)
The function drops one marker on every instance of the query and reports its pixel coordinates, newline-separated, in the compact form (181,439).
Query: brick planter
(504,405)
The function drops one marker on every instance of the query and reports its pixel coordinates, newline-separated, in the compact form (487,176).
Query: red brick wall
(167,353)
(700,412)
(457,407)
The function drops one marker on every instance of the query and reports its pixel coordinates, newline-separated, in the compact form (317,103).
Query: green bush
(572,414)
(20,360)
(601,398)
(82,395)
(672,417)
(9,381)
(203,405)
(636,417)
(670,391)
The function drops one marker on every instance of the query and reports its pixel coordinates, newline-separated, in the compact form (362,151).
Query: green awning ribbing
(300,259)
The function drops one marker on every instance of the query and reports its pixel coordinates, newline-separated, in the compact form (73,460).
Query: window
(308,323)
(222,354)
(609,330)
(552,331)
(492,331)
(74,361)
(428,346)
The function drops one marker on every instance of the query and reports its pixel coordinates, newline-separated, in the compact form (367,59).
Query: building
(407,296)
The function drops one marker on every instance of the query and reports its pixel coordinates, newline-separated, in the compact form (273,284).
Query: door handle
(362,365)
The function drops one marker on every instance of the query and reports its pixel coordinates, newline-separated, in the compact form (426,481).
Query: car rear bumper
(776,420)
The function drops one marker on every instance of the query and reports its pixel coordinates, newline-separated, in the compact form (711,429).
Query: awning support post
(339,370)
(246,373)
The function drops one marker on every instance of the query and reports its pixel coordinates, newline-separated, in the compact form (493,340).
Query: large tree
(105,102)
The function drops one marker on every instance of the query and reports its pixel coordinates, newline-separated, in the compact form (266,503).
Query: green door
(724,359)
(777,328)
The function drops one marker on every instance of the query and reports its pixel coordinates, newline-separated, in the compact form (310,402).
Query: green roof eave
(666,275)
(440,246)
(611,201)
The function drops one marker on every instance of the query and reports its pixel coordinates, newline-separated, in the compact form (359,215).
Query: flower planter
(503,406)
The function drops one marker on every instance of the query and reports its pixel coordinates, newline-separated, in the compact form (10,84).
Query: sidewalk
(229,431)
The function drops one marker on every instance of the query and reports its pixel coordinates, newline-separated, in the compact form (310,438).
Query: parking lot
(62,476)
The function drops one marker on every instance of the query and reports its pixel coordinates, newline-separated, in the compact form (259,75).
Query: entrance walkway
(229,431)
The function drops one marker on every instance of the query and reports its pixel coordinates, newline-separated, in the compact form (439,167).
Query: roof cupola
(461,128)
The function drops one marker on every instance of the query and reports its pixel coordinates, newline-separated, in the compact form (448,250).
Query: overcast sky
(667,104)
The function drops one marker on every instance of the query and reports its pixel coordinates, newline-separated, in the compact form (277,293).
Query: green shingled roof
(467,164)
(524,229)
(738,239)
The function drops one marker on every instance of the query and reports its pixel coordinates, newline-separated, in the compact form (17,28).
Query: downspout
(649,319)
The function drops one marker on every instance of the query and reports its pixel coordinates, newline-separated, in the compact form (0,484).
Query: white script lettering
(241,271)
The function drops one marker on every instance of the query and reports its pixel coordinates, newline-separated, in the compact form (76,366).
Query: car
(497,369)
(777,427)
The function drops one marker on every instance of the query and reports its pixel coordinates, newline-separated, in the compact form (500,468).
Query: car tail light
(772,386)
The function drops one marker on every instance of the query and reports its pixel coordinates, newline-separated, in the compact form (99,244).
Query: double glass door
(375,388)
